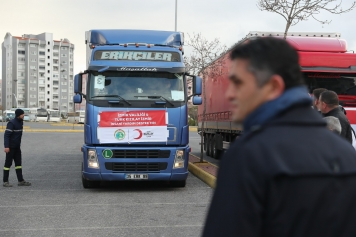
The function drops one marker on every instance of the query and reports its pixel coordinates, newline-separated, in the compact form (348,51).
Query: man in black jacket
(329,106)
(12,143)
(287,175)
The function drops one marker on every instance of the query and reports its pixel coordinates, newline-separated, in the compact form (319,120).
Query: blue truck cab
(136,125)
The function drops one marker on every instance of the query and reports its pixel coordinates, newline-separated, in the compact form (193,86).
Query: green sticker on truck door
(107,154)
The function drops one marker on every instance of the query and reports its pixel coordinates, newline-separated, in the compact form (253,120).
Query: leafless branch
(294,11)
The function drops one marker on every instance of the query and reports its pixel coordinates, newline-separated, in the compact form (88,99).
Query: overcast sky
(229,20)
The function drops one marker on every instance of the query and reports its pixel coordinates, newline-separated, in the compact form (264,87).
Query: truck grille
(141,153)
(136,167)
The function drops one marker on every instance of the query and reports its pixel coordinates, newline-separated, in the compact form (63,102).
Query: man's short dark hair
(268,56)
(330,98)
(317,92)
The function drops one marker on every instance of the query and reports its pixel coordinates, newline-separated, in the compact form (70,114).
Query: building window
(49,43)
(64,83)
(33,45)
(33,89)
(64,97)
(63,55)
(21,59)
(64,90)
(48,57)
(55,75)
(21,45)
(33,67)
(48,50)
(33,74)
(21,66)
(21,52)
(41,53)
(48,85)
(34,52)
(33,81)
(33,59)
(48,71)
(48,64)
(41,67)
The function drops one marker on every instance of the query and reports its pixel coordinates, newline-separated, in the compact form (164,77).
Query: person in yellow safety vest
(12,144)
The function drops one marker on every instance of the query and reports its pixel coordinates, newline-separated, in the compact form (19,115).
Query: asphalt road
(57,205)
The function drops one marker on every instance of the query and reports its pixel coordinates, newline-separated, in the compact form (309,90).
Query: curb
(196,169)
(202,175)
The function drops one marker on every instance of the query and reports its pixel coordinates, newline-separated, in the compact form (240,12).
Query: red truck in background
(325,63)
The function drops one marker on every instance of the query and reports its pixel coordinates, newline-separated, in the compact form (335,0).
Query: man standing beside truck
(12,143)
(285,176)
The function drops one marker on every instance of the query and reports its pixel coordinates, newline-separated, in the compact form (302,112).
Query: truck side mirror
(197,85)
(197,100)
(77,99)
(78,83)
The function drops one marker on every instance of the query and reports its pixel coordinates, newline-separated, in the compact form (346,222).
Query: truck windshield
(341,83)
(136,85)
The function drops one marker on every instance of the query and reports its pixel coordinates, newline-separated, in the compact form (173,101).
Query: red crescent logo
(139,136)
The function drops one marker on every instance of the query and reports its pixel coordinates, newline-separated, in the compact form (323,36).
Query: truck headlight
(179,160)
(92,159)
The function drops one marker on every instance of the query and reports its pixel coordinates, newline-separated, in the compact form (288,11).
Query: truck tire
(215,153)
(213,147)
(207,141)
(178,183)
(89,184)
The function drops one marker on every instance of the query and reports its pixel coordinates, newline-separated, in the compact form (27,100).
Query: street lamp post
(17,102)
(175,29)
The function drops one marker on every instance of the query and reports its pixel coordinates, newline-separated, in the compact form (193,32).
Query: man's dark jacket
(13,133)
(345,124)
(291,177)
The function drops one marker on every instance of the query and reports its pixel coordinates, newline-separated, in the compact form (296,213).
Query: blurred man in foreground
(287,175)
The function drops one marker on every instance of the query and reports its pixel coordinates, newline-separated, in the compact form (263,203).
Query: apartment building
(37,72)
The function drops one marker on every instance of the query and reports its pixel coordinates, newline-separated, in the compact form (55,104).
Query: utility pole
(17,102)
(175,29)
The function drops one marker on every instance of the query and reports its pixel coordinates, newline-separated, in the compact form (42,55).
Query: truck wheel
(216,153)
(207,141)
(89,184)
(178,183)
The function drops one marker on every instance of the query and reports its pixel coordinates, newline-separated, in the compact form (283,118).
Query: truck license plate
(136,176)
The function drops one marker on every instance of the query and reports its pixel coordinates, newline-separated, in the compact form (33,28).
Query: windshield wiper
(157,96)
(117,96)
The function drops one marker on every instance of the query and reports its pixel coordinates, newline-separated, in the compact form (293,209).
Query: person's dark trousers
(14,154)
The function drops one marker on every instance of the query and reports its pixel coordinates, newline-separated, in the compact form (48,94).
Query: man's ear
(275,87)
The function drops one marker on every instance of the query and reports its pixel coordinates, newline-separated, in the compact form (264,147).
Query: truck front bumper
(121,176)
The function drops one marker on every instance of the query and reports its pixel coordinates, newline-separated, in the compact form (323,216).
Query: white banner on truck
(132,135)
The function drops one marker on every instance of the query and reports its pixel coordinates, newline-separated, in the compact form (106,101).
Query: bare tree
(206,62)
(294,11)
